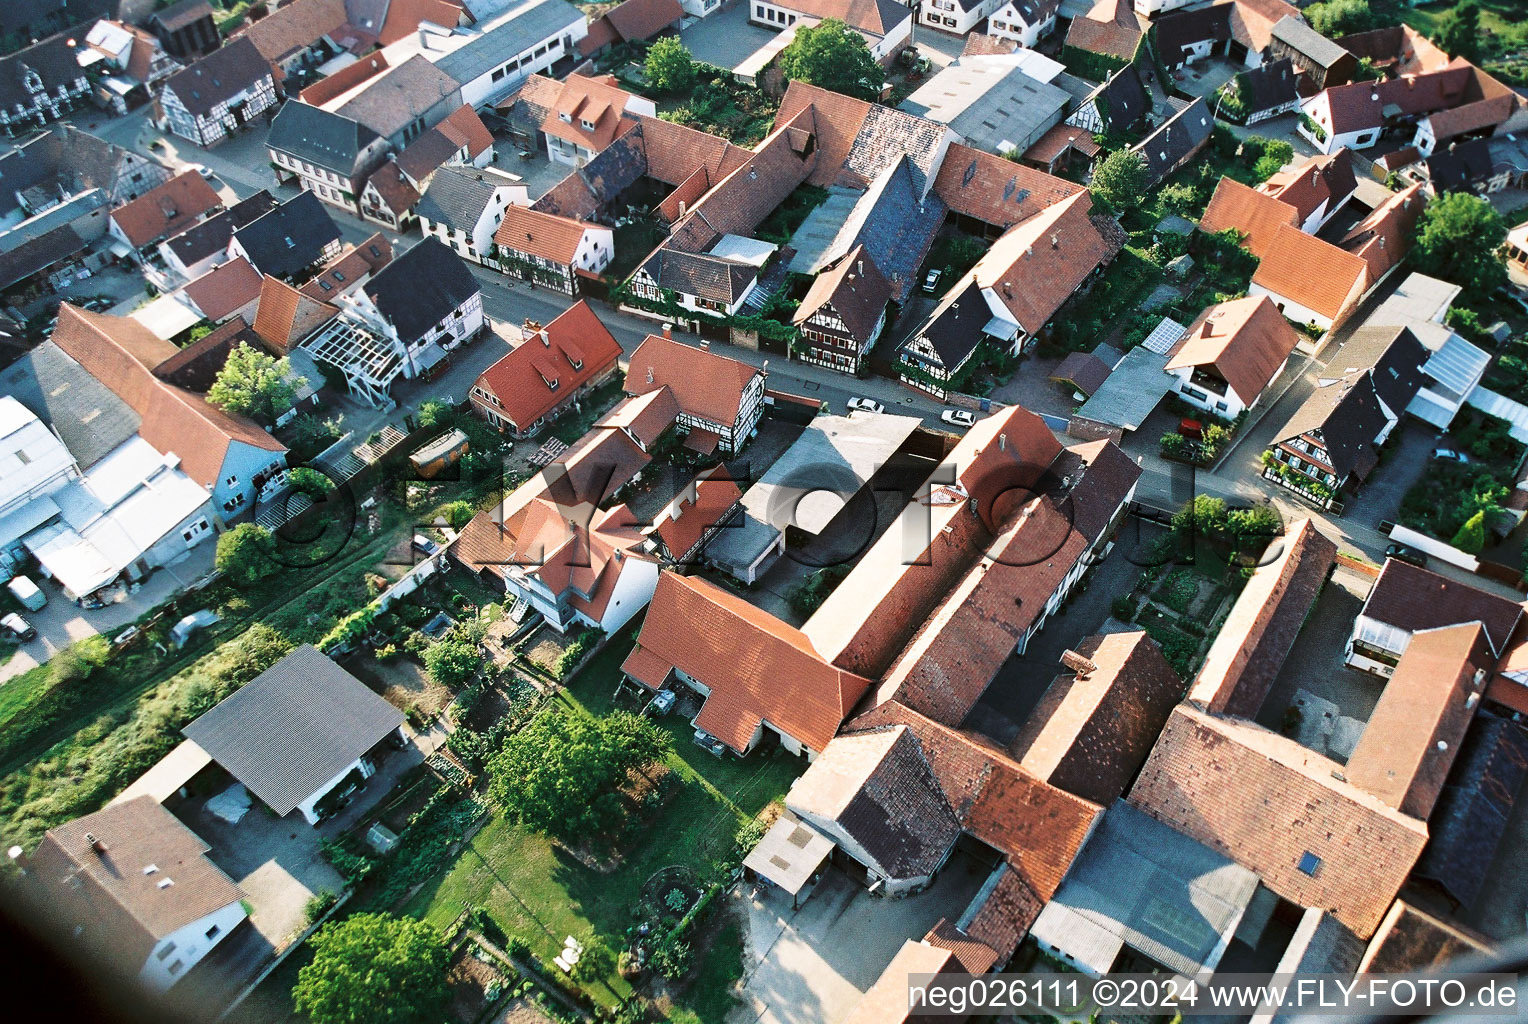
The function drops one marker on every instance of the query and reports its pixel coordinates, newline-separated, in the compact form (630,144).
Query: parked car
(28,593)
(426,546)
(202,169)
(1451,455)
(99,304)
(1402,553)
(931,280)
(18,627)
(866,404)
(958,418)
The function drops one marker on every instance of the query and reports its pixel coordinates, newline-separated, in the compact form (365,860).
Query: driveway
(61,622)
(726,38)
(278,862)
(811,966)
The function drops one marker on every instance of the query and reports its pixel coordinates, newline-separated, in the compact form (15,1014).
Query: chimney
(649,374)
(1002,442)
(95,844)
(1029,250)
(1055,241)
(682,207)
(1078,664)
(859,265)
(545,339)
(668,331)
(705,344)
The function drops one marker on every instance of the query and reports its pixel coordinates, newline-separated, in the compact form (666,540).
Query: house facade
(551,250)
(426,302)
(224,93)
(547,373)
(1026,22)
(720,400)
(843,314)
(509,50)
(464,207)
(1230,354)
(325,153)
(39,84)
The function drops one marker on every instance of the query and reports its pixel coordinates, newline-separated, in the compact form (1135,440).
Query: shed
(789,857)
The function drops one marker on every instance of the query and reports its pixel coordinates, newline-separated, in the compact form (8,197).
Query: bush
(1178,590)
(575,651)
(387,652)
(452,663)
(673,958)
(749,834)
(77,661)
(318,905)
(458,514)
(1123,608)
(246,554)
(1471,537)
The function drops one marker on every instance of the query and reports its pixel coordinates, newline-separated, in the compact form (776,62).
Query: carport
(790,857)
(1138,384)
(170,775)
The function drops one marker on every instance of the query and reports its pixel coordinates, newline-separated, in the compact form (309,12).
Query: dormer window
(588,125)
(566,117)
(33,81)
(578,364)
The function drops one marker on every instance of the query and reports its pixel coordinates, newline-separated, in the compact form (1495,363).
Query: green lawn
(541,893)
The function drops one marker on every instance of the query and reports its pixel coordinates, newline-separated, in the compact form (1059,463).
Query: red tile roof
(1410,740)
(996,191)
(1288,810)
(225,290)
(393,187)
(1412,599)
(1057,140)
(350,269)
(1037,265)
(541,374)
(1245,341)
(121,353)
(1313,273)
(599,101)
(757,667)
(704,384)
(1384,236)
(632,20)
(286,30)
(345,79)
(546,235)
(1256,215)
(1110,28)
(1321,179)
(167,209)
(404,16)
(646,417)
(286,316)
(708,500)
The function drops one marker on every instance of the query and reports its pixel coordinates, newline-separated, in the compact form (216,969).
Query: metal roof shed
(1135,387)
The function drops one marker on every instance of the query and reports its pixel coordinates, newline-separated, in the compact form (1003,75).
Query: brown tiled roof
(597,100)
(1413,599)
(141,57)
(225,290)
(1250,648)
(179,15)
(397,194)
(345,79)
(1412,941)
(1316,274)
(979,44)
(400,96)
(645,416)
(1252,21)
(404,16)
(546,235)
(874,17)
(996,191)
(536,377)
(167,209)
(704,384)
(350,269)
(973,956)
(838,122)
(112,893)
(285,30)
(1410,740)
(1470,117)
(876,787)
(1037,265)
(286,316)
(121,353)
(1246,341)
(757,667)
(196,367)
(675,152)
(601,34)
(1361,105)
(855,290)
(1037,827)
(1110,28)
(1093,729)
(642,19)
(1083,370)
(960,648)
(708,500)
(1057,139)
(1321,179)
(1284,809)
(1384,236)
(464,127)
(1254,214)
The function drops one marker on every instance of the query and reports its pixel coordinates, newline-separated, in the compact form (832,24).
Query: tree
(434,412)
(255,384)
(452,662)
(1457,238)
(310,481)
(831,56)
(246,554)
(1472,535)
(458,514)
(669,66)
(1340,17)
(79,660)
(374,969)
(1120,179)
(1458,33)
(1276,153)
(560,773)
(595,963)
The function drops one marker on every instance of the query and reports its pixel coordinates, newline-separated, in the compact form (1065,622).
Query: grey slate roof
(536,20)
(52,59)
(457,198)
(700,274)
(89,418)
(294,727)
(1268,86)
(421,287)
(214,233)
(320,137)
(1175,139)
(69,160)
(398,97)
(955,327)
(290,237)
(1144,883)
(219,76)
(1308,41)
